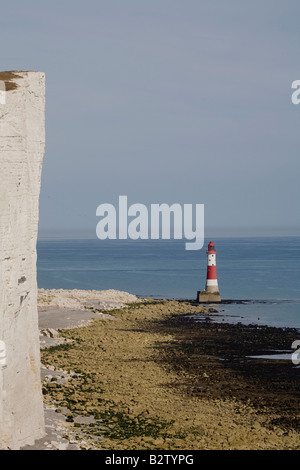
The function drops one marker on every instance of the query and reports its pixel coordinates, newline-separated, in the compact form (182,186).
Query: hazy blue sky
(165,101)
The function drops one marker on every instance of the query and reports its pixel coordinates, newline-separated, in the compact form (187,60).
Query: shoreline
(154,379)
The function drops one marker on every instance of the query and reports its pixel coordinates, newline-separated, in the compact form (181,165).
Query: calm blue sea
(263,271)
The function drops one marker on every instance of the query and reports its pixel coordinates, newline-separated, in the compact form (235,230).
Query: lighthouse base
(204,296)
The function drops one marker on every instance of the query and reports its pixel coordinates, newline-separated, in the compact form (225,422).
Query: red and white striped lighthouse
(211,293)
(211,277)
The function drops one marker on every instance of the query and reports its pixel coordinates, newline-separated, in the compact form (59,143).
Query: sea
(259,277)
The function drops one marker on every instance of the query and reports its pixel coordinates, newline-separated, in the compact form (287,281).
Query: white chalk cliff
(22,142)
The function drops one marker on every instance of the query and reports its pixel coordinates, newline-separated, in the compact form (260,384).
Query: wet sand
(148,377)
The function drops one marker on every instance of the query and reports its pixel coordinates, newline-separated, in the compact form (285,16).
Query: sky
(164,101)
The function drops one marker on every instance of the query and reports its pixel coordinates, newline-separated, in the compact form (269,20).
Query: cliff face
(22,142)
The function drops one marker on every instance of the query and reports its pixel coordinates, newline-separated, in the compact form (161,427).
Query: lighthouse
(211,292)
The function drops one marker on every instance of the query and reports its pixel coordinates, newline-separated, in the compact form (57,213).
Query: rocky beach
(124,373)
